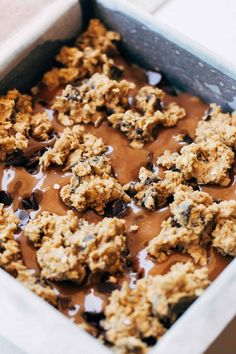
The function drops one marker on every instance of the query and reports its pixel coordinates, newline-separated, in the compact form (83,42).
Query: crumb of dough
(78,65)
(68,247)
(218,126)
(134,315)
(196,221)
(140,126)
(41,127)
(224,234)
(92,101)
(16,123)
(98,37)
(151,191)
(208,161)
(71,146)
(92,186)
(28,278)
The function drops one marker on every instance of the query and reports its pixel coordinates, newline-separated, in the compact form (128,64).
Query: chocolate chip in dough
(5,198)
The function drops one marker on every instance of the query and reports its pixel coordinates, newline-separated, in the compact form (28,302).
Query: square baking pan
(27,323)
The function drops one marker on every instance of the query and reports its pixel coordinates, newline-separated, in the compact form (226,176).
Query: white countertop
(211,23)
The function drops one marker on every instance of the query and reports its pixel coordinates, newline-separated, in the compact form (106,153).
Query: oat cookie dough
(17,123)
(92,186)
(9,249)
(68,247)
(98,37)
(139,126)
(217,126)
(151,191)
(196,221)
(207,161)
(11,257)
(92,101)
(73,145)
(78,65)
(135,315)
(224,234)
(92,54)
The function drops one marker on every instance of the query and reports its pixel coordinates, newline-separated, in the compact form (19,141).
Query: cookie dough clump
(92,186)
(151,191)
(196,221)
(217,126)
(67,247)
(187,228)
(72,146)
(78,65)
(139,126)
(41,127)
(17,123)
(9,249)
(208,161)
(98,37)
(224,234)
(134,315)
(11,257)
(91,102)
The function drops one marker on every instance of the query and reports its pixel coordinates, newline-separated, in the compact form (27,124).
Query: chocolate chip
(72,97)
(186,211)
(140,273)
(17,158)
(178,309)
(109,111)
(187,139)
(207,115)
(139,131)
(169,90)
(174,223)
(101,108)
(158,105)
(116,208)
(32,162)
(30,203)
(41,102)
(131,191)
(5,198)
(93,318)
(106,287)
(175,169)
(150,180)
(115,72)
(150,341)
(193,183)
